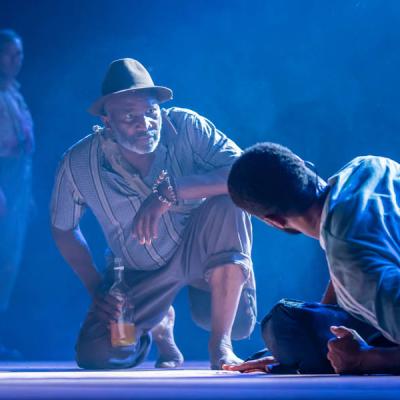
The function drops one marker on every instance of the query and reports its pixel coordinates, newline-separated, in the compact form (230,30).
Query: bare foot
(163,335)
(221,352)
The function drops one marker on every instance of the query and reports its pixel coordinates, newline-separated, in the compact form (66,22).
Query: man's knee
(91,355)
(277,329)
(292,333)
(99,354)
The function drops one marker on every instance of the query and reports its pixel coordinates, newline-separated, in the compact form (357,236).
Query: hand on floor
(260,365)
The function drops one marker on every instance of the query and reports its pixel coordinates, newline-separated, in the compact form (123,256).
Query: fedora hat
(128,75)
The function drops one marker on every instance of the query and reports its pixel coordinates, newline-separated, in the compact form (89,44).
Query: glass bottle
(123,332)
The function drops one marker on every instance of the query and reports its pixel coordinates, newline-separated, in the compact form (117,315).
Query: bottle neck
(119,274)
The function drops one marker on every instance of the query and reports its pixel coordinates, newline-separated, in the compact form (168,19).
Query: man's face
(135,122)
(11,56)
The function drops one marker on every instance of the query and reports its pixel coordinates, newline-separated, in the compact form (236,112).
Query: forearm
(329,296)
(382,360)
(74,249)
(202,186)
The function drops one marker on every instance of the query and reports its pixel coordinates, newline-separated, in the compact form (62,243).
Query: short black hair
(269,179)
(7,36)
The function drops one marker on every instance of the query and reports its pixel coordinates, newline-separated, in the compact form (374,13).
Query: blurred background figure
(16,148)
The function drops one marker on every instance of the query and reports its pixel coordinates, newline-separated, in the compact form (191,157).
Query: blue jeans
(297,333)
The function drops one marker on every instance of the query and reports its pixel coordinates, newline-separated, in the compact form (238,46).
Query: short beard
(134,146)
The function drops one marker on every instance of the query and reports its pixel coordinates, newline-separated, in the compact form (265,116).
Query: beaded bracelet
(164,177)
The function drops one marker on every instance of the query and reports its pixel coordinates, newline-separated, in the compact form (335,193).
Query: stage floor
(62,380)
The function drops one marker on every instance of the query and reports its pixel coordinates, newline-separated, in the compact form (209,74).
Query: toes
(229,359)
(169,363)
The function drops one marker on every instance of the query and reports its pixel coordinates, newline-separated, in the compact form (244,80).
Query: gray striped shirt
(93,174)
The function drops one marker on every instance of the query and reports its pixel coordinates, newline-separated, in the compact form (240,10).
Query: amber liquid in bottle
(123,330)
(123,333)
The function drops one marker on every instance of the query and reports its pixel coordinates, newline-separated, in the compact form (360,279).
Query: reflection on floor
(62,380)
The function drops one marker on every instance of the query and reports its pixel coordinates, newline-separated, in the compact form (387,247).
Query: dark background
(321,77)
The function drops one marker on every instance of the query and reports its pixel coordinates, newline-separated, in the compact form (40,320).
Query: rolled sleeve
(211,148)
(67,204)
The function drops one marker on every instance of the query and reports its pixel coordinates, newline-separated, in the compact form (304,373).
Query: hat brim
(160,93)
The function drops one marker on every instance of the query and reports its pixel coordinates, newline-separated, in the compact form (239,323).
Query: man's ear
(106,121)
(276,221)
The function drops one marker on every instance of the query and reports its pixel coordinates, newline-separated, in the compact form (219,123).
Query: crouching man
(156,180)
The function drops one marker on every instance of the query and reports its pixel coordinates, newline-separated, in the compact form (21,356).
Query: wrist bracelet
(172,198)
